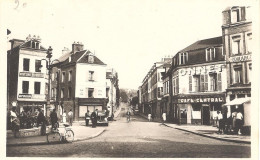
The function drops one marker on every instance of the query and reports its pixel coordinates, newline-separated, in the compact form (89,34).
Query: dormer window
(210,54)
(183,58)
(90,59)
(235,15)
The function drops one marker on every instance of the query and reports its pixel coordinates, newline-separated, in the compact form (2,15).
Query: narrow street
(138,138)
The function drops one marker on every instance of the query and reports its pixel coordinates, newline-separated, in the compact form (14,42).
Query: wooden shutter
(219,85)
(201,83)
(177,85)
(206,83)
(190,83)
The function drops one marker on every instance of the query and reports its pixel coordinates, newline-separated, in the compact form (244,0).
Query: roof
(28,45)
(205,43)
(77,57)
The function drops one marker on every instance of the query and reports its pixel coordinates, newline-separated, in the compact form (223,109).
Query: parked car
(102,118)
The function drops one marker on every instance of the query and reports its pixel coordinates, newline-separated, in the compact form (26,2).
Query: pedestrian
(41,120)
(149,117)
(234,118)
(94,118)
(220,122)
(64,117)
(164,117)
(70,115)
(54,119)
(128,114)
(239,122)
(87,117)
(15,122)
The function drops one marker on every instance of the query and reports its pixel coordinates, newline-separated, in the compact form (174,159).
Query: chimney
(77,47)
(16,42)
(65,50)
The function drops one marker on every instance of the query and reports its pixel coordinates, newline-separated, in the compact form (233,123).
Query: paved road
(138,138)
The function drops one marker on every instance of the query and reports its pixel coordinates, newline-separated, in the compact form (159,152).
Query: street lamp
(49,55)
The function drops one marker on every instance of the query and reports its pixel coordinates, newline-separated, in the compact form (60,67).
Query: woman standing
(64,117)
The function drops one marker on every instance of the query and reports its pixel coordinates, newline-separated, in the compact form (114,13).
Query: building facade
(198,82)
(152,90)
(111,90)
(27,75)
(81,82)
(237,40)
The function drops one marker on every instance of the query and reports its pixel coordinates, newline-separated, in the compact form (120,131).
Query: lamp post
(49,55)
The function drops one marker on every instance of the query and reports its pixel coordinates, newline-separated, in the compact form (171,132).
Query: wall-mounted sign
(29,96)
(201,70)
(25,74)
(200,100)
(241,58)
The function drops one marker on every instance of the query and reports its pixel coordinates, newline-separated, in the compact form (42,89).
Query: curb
(46,143)
(223,139)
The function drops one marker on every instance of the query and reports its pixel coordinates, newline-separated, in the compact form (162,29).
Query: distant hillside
(126,94)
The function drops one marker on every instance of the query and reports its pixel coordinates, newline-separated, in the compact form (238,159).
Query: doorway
(205,114)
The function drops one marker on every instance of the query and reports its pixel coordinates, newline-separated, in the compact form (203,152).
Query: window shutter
(87,74)
(201,83)
(86,92)
(219,82)
(177,85)
(206,82)
(190,83)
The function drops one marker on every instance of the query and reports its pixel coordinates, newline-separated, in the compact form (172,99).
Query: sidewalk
(81,132)
(208,131)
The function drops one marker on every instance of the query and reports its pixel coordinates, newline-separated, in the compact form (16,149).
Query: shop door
(205,115)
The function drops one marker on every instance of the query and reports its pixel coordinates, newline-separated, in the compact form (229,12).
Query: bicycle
(62,134)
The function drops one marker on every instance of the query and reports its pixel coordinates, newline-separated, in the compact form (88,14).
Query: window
(210,54)
(249,72)
(238,74)
(62,93)
(174,86)
(37,45)
(38,65)
(196,83)
(25,86)
(190,83)
(235,16)
(63,77)
(57,75)
(236,46)
(183,58)
(52,92)
(26,64)
(159,91)
(69,92)
(37,87)
(213,82)
(91,76)
(91,93)
(219,85)
(33,44)
(70,75)
(249,43)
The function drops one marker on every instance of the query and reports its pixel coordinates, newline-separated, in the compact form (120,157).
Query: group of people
(93,117)
(233,124)
(40,119)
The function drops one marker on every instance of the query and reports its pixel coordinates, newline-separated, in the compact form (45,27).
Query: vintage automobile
(102,118)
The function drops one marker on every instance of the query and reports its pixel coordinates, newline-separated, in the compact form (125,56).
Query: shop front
(198,109)
(239,100)
(91,104)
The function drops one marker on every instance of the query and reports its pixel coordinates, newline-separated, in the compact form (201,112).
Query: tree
(123,96)
(134,101)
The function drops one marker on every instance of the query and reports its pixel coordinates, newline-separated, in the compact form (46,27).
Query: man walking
(54,118)
(70,115)
(87,117)
(42,120)
(94,118)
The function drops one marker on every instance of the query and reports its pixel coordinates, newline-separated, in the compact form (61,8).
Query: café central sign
(201,100)
(241,58)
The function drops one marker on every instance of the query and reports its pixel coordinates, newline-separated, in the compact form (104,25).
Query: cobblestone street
(138,138)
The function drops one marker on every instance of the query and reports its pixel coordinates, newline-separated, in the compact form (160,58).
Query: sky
(129,35)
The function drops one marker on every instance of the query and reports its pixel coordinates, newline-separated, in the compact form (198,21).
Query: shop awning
(238,101)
